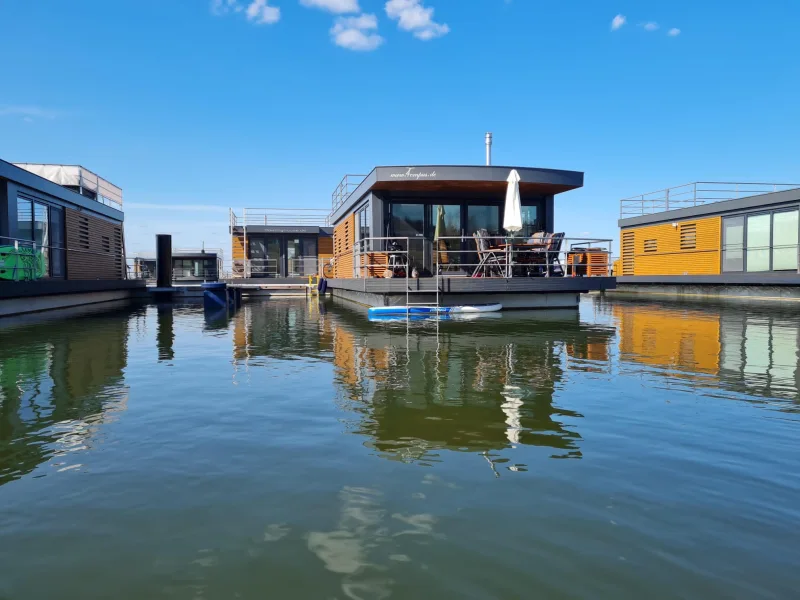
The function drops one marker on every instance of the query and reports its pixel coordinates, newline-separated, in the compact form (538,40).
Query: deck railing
(301,266)
(479,256)
(694,194)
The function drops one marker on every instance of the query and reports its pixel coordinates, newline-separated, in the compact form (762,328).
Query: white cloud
(412,16)
(27,112)
(617,22)
(650,26)
(261,13)
(335,6)
(223,7)
(357,33)
(258,11)
(674,32)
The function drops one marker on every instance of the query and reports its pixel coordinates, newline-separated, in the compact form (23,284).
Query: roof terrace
(694,194)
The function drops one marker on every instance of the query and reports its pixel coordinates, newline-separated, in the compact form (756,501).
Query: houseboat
(279,243)
(188,265)
(61,238)
(435,235)
(712,240)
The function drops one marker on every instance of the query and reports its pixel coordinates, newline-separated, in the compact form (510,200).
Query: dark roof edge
(30,180)
(714,208)
(372,178)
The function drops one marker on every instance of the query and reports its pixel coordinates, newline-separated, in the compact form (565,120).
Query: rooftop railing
(176,252)
(280,217)
(694,194)
(346,186)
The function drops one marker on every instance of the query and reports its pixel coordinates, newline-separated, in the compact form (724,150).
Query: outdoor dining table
(508,249)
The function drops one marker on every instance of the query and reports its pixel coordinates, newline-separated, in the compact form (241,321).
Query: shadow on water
(58,381)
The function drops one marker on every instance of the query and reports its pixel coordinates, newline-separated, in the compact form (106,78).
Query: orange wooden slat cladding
(681,248)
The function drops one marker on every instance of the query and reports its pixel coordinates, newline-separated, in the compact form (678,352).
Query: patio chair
(554,267)
(488,262)
(546,261)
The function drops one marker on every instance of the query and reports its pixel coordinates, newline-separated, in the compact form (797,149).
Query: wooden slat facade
(344,237)
(95,247)
(689,247)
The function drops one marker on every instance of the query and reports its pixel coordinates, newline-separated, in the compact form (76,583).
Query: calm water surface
(299,451)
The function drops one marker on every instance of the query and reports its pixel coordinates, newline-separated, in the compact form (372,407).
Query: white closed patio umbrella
(512,218)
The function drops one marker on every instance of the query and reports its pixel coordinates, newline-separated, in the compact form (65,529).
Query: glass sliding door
(41,236)
(301,256)
(733,244)
(784,240)
(758,242)
(408,221)
(265,256)
(33,237)
(446,222)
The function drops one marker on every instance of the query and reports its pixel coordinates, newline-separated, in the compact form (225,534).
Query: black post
(163,260)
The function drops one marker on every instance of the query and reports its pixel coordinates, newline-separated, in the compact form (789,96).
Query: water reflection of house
(466,387)
(747,350)
(57,381)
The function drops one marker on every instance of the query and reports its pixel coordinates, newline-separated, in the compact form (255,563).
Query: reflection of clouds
(275,533)
(364,545)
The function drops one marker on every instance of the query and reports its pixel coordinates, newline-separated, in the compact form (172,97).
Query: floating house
(61,238)
(712,239)
(188,265)
(435,235)
(279,243)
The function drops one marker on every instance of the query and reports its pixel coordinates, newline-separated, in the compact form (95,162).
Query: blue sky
(192,106)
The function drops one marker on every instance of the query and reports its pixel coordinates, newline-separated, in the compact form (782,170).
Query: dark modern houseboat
(61,238)
(712,240)
(435,234)
(188,265)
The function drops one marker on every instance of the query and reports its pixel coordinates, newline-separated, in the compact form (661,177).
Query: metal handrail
(299,217)
(695,194)
(512,257)
(347,186)
(496,261)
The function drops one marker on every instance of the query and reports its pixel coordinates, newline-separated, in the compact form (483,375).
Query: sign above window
(413,173)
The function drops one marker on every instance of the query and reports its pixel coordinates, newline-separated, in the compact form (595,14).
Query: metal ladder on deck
(408,286)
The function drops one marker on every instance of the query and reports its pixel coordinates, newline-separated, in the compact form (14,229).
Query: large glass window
(784,240)
(531,220)
(24,219)
(758,242)
(483,217)
(733,244)
(364,222)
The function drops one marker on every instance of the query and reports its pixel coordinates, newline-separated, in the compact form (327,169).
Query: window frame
(745,214)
